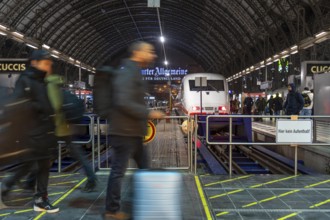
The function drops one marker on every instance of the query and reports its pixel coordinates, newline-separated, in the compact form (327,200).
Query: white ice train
(215,97)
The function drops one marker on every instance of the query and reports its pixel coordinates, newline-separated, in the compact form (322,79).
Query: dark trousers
(122,149)
(41,175)
(77,153)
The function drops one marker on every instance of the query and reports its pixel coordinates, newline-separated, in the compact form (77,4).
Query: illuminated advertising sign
(317,68)
(13,65)
(163,74)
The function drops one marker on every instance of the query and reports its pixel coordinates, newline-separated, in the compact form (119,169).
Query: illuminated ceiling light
(18,39)
(166,62)
(269,59)
(32,46)
(269,63)
(321,34)
(77,61)
(262,63)
(2,33)
(294,52)
(162,39)
(46,46)
(18,34)
(322,39)
(308,45)
(56,52)
(275,56)
(285,56)
(276,60)
(294,47)
(70,58)
(3,27)
(77,65)
(284,52)
(57,57)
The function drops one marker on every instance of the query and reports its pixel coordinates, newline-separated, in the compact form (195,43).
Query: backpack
(73,108)
(307,100)
(103,91)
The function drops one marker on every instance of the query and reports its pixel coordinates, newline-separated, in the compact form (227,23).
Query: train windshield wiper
(213,87)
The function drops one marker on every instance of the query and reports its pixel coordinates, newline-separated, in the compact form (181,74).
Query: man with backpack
(294,102)
(127,117)
(31,84)
(308,102)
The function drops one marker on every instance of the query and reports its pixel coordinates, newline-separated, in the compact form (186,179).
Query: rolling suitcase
(157,195)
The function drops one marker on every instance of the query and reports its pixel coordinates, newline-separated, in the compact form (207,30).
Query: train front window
(212,85)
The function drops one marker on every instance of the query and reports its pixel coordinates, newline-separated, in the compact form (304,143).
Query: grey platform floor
(268,197)
(64,191)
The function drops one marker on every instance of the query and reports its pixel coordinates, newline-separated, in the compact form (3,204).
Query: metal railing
(166,126)
(91,141)
(231,143)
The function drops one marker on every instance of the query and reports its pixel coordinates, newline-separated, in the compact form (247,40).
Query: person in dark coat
(260,107)
(294,102)
(278,104)
(128,123)
(248,103)
(31,84)
(270,104)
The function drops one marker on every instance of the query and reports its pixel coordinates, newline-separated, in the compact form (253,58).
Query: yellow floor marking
(30,198)
(63,175)
(63,183)
(22,211)
(319,204)
(271,182)
(202,196)
(316,184)
(222,213)
(254,186)
(288,216)
(62,198)
(228,180)
(5,214)
(225,194)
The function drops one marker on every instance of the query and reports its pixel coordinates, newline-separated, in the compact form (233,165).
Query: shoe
(43,205)
(116,215)
(90,186)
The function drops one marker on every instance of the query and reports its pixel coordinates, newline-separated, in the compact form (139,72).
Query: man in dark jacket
(294,102)
(278,104)
(248,103)
(41,138)
(128,122)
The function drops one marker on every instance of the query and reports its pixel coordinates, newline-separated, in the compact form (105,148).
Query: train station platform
(204,197)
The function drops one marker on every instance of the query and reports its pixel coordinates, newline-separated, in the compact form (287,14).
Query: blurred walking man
(128,122)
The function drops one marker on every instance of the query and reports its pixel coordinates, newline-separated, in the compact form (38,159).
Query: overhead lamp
(53,55)
(321,34)
(275,56)
(322,39)
(70,58)
(284,52)
(2,33)
(162,39)
(294,52)
(46,46)
(285,56)
(55,51)
(269,59)
(166,62)
(306,46)
(18,34)
(77,61)
(269,63)
(262,62)
(3,27)
(294,47)
(32,46)
(276,60)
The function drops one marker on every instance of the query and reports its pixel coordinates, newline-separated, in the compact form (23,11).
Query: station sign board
(8,66)
(294,131)
(163,74)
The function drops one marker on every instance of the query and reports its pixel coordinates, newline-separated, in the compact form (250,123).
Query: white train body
(215,99)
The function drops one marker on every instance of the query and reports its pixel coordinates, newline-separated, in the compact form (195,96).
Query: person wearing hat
(31,84)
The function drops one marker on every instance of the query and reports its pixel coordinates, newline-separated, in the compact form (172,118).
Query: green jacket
(54,83)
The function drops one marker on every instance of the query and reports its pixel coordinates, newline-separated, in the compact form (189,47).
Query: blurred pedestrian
(270,104)
(308,102)
(128,122)
(32,84)
(248,104)
(277,104)
(294,102)
(260,106)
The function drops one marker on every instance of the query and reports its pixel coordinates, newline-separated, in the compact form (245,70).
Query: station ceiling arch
(222,35)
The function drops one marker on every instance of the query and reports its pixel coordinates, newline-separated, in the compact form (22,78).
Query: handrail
(230,143)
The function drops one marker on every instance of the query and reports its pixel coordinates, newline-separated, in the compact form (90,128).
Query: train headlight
(222,108)
(196,108)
